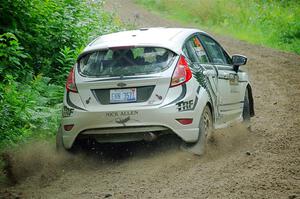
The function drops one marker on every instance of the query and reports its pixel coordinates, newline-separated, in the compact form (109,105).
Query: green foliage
(44,27)
(28,110)
(274,23)
(66,59)
(39,43)
(11,54)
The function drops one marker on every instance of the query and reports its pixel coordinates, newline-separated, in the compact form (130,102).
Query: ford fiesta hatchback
(140,84)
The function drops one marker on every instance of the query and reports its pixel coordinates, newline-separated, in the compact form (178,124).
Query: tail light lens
(70,85)
(185,121)
(68,127)
(182,73)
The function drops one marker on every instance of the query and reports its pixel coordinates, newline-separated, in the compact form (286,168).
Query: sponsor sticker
(67,112)
(185,105)
(122,117)
(121,113)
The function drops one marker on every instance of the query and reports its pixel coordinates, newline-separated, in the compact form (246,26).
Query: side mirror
(238,60)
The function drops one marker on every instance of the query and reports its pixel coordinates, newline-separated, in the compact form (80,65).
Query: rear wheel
(205,128)
(205,133)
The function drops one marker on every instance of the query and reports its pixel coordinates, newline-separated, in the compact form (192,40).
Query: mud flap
(197,148)
(60,148)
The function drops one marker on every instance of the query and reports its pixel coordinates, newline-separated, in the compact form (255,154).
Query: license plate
(122,95)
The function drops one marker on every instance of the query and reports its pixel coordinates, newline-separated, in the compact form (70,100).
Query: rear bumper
(130,121)
(187,101)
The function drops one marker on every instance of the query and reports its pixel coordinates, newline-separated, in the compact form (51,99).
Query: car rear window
(125,61)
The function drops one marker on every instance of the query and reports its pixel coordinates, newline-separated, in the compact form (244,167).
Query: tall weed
(28,110)
(11,56)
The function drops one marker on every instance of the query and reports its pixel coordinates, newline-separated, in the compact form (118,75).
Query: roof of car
(171,38)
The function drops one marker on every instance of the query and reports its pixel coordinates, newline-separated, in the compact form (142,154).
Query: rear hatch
(130,76)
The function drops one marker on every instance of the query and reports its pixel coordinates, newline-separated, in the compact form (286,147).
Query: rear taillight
(70,85)
(68,127)
(182,73)
(185,121)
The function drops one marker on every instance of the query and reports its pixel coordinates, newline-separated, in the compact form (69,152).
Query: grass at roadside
(271,23)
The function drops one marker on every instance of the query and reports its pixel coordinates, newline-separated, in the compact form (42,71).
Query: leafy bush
(28,110)
(45,28)
(39,43)
(274,23)
(11,54)
(66,59)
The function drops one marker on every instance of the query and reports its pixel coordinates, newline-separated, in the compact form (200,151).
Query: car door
(230,99)
(203,70)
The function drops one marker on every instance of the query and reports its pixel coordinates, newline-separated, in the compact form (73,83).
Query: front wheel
(246,110)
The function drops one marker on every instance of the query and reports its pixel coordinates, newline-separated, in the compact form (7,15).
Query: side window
(216,52)
(228,58)
(195,51)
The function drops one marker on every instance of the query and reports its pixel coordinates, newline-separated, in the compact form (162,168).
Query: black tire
(246,110)
(205,133)
(205,128)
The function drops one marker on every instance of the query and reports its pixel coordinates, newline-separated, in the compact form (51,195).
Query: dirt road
(263,163)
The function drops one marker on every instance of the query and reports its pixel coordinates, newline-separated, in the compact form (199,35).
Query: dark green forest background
(39,42)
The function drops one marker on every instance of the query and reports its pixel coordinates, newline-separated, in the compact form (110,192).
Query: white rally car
(140,84)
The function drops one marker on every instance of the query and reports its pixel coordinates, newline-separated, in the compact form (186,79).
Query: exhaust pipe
(149,136)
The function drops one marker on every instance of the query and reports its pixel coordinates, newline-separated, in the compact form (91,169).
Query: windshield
(125,62)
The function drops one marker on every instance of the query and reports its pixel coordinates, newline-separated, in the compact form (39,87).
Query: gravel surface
(261,163)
